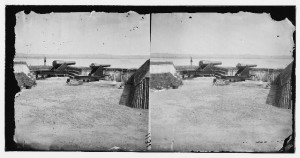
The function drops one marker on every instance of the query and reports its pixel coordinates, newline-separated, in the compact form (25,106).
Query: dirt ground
(200,117)
(57,116)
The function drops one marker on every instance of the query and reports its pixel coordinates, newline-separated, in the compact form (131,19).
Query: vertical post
(121,75)
(114,78)
(45,60)
(191,62)
(268,75)
(149,127)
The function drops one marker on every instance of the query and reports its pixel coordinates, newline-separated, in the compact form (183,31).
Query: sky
(83,33)
(240,33)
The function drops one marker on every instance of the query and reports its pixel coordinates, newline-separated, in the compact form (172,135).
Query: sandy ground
(56,116)
(202,117)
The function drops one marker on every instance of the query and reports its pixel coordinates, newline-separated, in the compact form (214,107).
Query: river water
(136,63)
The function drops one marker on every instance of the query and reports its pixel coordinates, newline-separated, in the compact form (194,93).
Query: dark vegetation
(164,81)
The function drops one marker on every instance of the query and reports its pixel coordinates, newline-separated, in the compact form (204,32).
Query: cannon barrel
(57,63)
(245,65)
(207,62)
(98,65)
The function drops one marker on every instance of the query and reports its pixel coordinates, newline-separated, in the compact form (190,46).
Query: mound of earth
(24,80)
(164,81)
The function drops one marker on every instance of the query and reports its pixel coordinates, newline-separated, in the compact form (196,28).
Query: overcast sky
(129,34)
(214,33)
(82,33)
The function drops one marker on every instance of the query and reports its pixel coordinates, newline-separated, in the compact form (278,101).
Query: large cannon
(59,68)
(96,73)
(205,65)
(240,65)
(206,68)
(243,70)
(206,62)
(98,69)
(242,74)
(94,65)
(58,63)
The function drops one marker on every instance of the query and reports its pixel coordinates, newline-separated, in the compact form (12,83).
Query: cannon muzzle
(245,65)
(207,62)
(57,63)
(98,65)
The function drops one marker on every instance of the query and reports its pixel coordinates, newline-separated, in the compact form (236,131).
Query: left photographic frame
(77,78)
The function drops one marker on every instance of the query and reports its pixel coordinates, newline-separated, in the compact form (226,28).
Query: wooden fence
(140,95)
(280,94)
(136,96)
(136,90)
(285,96)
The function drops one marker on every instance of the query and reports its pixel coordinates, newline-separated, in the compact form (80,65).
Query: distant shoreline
(51,57)
(59,57)
(81,56)
(216,56)
(153,56)
(221,58)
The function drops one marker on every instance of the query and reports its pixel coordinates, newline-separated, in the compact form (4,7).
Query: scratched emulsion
(216,35)
(55,116)
(201,117)
(82,34)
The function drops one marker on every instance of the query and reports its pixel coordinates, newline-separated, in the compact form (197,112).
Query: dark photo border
(11,86)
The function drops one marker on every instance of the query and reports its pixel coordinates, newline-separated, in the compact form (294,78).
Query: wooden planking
(139,95)
(283,97)
(280,94)
(139,86)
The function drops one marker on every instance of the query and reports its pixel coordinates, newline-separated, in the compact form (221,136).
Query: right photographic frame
(222,79)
